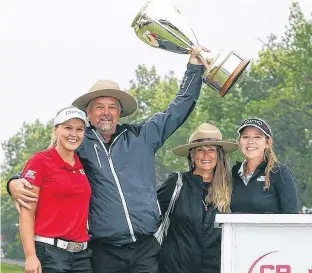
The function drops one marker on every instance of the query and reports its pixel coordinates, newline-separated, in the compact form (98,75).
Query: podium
(265,243)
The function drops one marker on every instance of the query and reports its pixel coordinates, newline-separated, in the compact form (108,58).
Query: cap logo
(69,112)
(258,123)
(254,121)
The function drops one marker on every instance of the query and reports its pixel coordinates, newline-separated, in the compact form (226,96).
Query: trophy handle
(224,72)
(208,62)
(233,78)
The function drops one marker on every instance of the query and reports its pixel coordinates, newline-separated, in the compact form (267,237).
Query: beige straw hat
(107,88)
(205,134)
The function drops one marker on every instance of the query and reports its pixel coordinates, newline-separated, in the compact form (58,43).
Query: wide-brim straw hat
(205,134)
(107,88)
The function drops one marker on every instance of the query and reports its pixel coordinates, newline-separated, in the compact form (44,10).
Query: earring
(193,165)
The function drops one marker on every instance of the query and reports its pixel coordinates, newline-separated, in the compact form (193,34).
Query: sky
(51,52)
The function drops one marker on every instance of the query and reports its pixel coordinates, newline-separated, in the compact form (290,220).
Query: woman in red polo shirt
(54,231)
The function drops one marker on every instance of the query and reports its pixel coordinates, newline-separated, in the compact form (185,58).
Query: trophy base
(223,74)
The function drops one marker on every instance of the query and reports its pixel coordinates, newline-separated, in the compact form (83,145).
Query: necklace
(205,205)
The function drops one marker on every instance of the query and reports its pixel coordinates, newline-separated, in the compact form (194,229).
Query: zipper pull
(205,206)
(109,156)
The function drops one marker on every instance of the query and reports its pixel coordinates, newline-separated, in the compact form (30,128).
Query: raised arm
(159,127)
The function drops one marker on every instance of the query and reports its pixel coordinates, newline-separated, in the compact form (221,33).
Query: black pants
(138,257)
(56,260)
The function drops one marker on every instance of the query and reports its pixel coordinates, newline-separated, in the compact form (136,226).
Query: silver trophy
(161,25)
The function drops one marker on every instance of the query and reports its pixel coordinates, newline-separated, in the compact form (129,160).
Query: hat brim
(183,150)
(252,125)
(128,103)
(60,121)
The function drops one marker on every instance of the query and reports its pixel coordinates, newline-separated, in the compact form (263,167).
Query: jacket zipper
(97,154)
(159,210)
(123,200)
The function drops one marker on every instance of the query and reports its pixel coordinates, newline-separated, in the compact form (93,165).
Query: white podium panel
(261,243)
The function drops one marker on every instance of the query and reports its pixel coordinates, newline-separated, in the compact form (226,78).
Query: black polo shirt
(281,197)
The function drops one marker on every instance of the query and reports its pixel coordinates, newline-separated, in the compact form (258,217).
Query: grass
(7,268)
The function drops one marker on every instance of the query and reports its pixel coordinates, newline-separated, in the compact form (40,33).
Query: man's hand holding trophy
(161,25)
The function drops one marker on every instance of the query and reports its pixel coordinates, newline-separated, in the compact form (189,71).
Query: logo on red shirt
(30,174)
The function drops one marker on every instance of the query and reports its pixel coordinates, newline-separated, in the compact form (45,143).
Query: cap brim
(252,125)
(129,104)
(60,121)
(183,150)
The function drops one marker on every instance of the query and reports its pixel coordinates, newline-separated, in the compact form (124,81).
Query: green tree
(17,150)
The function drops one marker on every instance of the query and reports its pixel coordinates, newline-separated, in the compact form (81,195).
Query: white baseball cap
(69,113)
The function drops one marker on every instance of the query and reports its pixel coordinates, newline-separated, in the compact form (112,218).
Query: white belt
(68,246)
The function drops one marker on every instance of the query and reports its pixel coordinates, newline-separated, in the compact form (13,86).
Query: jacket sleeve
(162,125)
(16,176)
(286,190)
(165,192)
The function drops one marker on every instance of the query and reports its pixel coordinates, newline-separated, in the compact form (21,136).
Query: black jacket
(253,198)
(192,243)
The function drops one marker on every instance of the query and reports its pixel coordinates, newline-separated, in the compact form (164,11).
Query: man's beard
(106,127)
(106,124)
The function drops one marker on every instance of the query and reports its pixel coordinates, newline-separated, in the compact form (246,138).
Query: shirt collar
(91,135)
(241,171)
(61,163)
(197,179)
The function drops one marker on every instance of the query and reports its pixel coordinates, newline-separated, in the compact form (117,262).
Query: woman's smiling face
(253,142)
(204,157)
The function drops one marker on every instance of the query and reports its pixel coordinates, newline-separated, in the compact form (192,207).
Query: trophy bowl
(159,24)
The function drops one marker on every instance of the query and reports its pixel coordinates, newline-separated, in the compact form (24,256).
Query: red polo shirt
(63,204)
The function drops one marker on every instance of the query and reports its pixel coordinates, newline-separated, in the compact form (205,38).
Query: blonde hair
(220,190)
(53,141)
(271,162)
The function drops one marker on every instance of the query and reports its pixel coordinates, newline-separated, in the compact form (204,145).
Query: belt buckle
(74,247)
